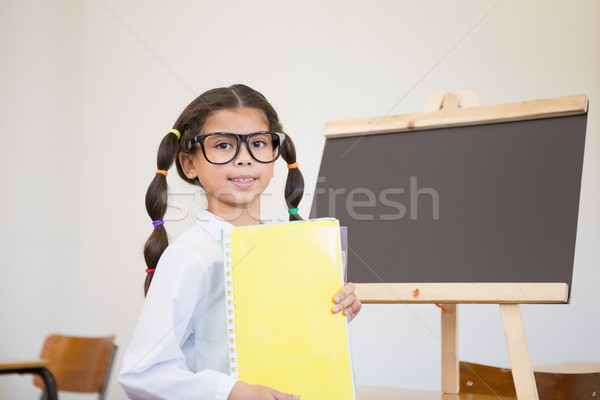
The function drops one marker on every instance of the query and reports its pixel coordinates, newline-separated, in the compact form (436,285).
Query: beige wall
(87,90)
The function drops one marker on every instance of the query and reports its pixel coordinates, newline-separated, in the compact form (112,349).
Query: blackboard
(490,202)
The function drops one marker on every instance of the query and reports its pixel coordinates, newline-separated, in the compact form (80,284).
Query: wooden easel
(449,110)
(508,296)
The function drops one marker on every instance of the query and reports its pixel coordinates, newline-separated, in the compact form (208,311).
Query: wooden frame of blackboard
(464,292)
(442,111)
(463,116)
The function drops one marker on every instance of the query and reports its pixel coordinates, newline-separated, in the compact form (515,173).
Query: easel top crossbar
(535,109)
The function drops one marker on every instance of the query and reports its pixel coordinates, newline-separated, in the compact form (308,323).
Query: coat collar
(212,224)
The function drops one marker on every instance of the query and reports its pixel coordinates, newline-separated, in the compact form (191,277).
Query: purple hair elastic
(158,222)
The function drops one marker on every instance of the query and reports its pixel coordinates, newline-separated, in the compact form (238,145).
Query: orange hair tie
(162,171)
(294,165)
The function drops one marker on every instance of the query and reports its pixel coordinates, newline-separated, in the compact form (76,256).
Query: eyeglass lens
(223,147)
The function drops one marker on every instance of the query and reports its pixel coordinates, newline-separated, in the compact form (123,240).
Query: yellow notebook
(280,281)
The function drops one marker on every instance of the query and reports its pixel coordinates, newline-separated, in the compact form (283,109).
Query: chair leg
(108,370)
(50,392)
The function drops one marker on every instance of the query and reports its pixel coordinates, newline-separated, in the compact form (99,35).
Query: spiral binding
(231,315)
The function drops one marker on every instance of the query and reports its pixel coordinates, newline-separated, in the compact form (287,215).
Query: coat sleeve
(154,366)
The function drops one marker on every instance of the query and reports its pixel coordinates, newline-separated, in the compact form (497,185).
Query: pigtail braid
(156,205)
(294,185)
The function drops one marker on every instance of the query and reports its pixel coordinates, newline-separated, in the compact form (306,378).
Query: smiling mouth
(242,180)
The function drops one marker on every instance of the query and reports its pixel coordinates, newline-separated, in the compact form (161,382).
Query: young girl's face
(240,182)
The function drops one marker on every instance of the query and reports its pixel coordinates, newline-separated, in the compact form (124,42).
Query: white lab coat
(179,348)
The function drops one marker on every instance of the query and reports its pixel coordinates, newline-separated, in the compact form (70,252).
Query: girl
(226,141)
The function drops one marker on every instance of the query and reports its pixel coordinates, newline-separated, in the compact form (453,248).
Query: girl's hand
(345,300)
(244,391)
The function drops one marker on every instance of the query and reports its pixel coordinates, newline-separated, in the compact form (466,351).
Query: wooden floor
(383,393)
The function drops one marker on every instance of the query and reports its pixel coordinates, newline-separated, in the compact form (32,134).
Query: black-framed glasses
(223,147)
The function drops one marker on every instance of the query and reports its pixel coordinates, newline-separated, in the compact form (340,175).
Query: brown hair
(189,124)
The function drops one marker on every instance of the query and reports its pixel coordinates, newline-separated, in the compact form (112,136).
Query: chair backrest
(572,384)
(79,364)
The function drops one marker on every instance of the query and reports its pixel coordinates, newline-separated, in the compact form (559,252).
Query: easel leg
(450,372)
(516,342)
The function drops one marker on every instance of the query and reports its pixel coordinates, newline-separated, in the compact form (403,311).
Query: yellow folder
(280,282)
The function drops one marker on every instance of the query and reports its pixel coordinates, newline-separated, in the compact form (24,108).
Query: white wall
(88,89)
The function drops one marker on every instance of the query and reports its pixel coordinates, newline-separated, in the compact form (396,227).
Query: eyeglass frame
(245,138)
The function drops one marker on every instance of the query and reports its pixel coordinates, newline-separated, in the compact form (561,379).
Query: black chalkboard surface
(489,202)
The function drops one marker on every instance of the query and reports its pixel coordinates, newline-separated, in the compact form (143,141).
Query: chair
(567,381)
(79,364)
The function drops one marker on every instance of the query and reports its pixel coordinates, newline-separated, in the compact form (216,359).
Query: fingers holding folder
(346,301)
(244,391)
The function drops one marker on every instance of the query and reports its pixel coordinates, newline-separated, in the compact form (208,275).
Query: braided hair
(179,140)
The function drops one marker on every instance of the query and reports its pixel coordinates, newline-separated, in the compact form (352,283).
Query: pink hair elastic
(150,271)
